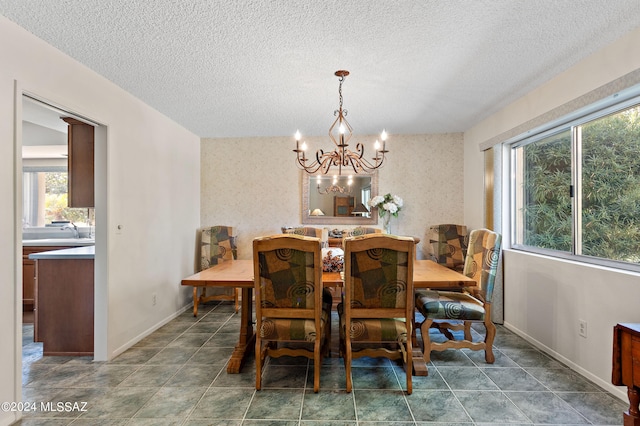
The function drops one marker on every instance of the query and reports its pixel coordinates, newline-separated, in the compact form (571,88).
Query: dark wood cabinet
(626,367)
(64,311)
(29,274)
(80,163)
(343,206)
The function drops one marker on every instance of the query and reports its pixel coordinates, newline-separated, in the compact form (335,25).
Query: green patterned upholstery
(291,305)
(216,243)
(448,245)
(309,231)
(286,280)
(471,305)
(449,305)
(377,309)
(379,278)
(374,329)
(360,230)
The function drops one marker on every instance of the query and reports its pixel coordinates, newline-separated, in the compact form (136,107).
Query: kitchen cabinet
(80,139)
(343,206)
(626,368)
(64,301)
(29,274)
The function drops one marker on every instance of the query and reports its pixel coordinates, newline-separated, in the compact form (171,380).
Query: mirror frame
(334,220)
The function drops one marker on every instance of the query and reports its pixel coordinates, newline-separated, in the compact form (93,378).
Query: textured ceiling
(266,67)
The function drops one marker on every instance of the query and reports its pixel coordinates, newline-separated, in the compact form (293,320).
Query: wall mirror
(328,199)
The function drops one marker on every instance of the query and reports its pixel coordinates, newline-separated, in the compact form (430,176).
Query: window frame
(572,122)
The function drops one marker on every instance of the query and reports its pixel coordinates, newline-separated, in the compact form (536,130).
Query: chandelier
(334,187)
(341,157)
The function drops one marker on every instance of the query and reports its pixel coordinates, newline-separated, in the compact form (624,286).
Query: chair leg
(327,338)
(467,331)
(426,340)
(258,362)
(488,341)
(317,358)
(347,365)
(235,298)
(409,362)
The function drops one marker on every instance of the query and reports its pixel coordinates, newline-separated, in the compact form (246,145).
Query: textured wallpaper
(253,184)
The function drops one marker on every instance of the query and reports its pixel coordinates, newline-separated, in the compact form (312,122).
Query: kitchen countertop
(86,252)
(71,242)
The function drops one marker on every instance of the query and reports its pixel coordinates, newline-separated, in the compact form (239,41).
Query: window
(45,198)
(577,188)
(366,196)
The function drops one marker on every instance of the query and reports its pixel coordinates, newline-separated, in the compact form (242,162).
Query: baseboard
(150,330)
(8,418)
(609,387)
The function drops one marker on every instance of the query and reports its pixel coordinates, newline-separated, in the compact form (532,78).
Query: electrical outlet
(154,299)
(582,328)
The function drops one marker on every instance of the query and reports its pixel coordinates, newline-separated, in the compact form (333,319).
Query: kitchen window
(45,192)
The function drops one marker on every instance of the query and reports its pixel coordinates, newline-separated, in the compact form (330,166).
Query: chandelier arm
(359,150)
(326,166)
(334,189)
(354,165)
(311,168)
(360,163)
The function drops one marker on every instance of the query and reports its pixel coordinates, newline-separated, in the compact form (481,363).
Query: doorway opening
(48,222)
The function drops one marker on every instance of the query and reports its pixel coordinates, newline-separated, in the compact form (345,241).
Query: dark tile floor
(177,376)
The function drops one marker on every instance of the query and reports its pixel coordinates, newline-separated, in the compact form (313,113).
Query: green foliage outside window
(547,202)
(610,194)
(56,200)
(611,187)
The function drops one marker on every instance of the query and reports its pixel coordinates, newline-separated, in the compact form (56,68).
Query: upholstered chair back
(287,279)
(482,260)
(216,243)
(309,231)
(361,230)
(379,278)
(448,245)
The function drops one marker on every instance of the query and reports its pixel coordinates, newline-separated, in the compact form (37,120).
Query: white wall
(253,184)
(148,181)
(545,297)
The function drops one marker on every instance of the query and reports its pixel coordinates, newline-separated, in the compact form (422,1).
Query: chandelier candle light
(334,187)
(340,133)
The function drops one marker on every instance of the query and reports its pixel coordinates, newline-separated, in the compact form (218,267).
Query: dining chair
(293,312)
(377,309)
(217,243)
(450,310)
(361,230)
(310,231)
(448,245)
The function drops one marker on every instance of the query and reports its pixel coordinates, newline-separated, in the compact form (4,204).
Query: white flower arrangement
(391,204)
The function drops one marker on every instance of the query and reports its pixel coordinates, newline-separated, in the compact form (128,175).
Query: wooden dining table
(239,274)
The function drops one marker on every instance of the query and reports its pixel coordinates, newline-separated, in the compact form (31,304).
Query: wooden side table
(626,367)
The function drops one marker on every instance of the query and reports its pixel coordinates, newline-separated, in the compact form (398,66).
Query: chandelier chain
(340,111)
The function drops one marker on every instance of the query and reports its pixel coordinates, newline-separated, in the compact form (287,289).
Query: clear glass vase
(386,221)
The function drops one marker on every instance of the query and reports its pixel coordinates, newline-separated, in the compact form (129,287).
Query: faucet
(71,225)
